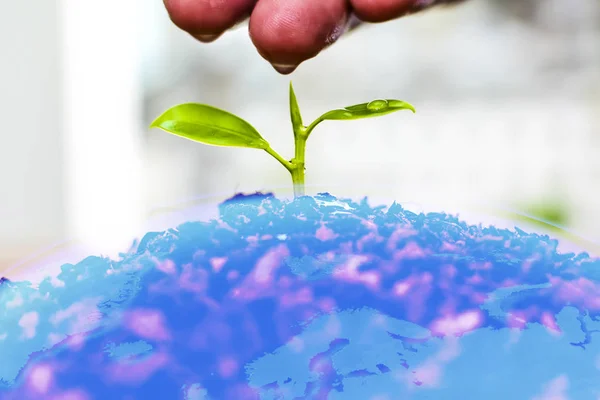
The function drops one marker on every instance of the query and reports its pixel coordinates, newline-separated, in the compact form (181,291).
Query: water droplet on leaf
(377,105)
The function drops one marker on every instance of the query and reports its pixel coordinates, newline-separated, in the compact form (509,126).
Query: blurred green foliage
(554,212)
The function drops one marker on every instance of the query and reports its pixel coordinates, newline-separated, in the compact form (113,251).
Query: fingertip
(206,20)
(291,32)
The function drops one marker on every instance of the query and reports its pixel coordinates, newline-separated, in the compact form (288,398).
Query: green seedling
(209,125)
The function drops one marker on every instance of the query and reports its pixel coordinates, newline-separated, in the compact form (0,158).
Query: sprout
(212,126)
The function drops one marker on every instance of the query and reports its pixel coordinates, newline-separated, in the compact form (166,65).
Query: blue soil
(211,342)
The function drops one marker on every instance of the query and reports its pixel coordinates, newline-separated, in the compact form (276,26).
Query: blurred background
(507,93)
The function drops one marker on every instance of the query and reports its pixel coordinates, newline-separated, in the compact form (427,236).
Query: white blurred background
(507,93)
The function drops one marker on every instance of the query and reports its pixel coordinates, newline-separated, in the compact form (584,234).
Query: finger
(380,10)
(286,33)
(206,20)
(386,10)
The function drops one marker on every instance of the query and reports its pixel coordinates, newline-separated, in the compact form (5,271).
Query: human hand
(288,32)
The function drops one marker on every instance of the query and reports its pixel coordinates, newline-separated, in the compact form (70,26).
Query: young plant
(209,125)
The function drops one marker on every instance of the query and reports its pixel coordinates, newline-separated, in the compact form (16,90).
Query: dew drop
(377,105)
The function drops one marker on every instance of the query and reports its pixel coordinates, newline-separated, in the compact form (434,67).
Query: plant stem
(312,126)
(298,161)
(285,163)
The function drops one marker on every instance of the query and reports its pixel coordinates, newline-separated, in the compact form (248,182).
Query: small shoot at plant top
(212,126)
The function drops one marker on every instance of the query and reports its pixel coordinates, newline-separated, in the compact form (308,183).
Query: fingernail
(284,69)
(207,38)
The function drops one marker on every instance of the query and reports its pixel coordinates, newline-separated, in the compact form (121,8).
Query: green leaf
(374,108)
(209,125)
(295,111)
